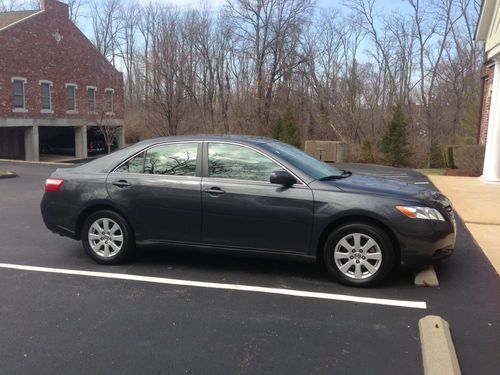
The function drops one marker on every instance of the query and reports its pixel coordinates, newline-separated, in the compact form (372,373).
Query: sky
(382,5)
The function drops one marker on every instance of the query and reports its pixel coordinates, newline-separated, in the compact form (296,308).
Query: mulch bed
(461,172)
(7,175)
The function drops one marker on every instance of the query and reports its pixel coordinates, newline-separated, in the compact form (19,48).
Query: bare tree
(339,72)
(108,131)
(106,25)
(268,31)
(13,5)
(8,5)
(75,9)
(126,39)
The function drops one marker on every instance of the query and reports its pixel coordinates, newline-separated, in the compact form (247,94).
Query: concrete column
(31,143)
(120,137)
(81,142)
(491,169)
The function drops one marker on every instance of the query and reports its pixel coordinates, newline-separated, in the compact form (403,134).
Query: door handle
(214,191)
(121,183)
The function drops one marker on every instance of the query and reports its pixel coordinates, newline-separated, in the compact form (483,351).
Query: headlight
(421,213)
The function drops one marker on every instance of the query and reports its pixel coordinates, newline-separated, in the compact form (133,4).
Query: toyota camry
(247,195)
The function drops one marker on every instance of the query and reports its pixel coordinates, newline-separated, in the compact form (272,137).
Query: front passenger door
(242,209)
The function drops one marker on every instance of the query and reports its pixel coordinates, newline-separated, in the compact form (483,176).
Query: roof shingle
(8,18)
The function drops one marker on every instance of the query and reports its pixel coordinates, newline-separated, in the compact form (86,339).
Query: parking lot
(184,313)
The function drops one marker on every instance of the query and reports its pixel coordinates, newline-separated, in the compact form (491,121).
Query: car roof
(249,139)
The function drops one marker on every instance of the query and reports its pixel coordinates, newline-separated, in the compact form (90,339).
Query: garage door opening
(97,143)
(57,140)
(12,143)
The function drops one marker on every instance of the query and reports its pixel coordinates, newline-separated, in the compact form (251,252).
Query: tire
(359,254)
(107,237)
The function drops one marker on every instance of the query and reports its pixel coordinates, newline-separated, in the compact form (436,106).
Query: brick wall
(488,70)
(31,50)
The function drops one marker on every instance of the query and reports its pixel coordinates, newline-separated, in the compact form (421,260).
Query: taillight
(53,184)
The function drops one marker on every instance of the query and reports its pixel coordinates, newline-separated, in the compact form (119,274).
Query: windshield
(299,159)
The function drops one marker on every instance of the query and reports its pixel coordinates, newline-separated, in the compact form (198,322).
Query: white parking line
(201,284)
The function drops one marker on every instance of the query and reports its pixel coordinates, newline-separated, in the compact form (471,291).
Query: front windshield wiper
(336,176)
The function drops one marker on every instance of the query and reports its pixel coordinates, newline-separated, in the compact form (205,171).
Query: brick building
(55,86)
(487,80)
(488,31)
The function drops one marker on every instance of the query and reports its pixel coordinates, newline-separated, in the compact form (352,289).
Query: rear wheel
(359,254)
(107,237)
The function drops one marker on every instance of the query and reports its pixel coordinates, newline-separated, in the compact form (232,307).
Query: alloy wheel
(358,256)
(105,237)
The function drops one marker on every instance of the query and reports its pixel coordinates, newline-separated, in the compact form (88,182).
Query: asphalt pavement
(58,323)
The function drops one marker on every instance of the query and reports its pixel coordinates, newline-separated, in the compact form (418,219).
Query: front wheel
(359,254)
(107,238)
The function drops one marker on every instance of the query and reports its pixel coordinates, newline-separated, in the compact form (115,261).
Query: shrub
(285,129)
(395,143)
(436,159)
(365,155)
(465,157)
(449,159)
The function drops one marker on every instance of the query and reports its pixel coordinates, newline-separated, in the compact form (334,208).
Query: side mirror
(282,178)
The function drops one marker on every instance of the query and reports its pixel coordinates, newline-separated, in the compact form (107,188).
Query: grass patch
(432,171)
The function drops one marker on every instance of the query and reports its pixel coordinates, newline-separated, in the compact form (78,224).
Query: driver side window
(238,162)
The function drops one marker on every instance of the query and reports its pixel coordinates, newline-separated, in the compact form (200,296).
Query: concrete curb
(438,352)
(35,162)
(427,277)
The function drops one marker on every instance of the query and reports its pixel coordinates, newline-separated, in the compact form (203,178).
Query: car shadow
(217,262)
(245,268)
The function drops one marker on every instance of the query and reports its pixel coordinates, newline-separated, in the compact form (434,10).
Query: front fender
(333,208)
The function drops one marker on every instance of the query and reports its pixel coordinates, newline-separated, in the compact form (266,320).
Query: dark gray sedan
(249,195)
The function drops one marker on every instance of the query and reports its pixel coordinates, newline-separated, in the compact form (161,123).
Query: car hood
(381,186)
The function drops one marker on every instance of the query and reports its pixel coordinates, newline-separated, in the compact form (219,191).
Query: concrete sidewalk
(478,204)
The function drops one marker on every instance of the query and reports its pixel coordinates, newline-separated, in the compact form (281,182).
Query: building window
(71,92)
(46,93)
(19,94)
(109,100)
(91,97)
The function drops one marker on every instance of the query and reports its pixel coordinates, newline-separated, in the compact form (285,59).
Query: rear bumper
(424,242)
(59,218)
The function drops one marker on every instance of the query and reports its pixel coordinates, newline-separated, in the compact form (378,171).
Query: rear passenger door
(159,190)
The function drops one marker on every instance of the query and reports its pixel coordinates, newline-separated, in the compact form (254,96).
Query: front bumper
(423,242)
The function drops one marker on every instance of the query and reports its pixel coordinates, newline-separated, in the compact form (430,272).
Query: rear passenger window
(134,165)
(175,159)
